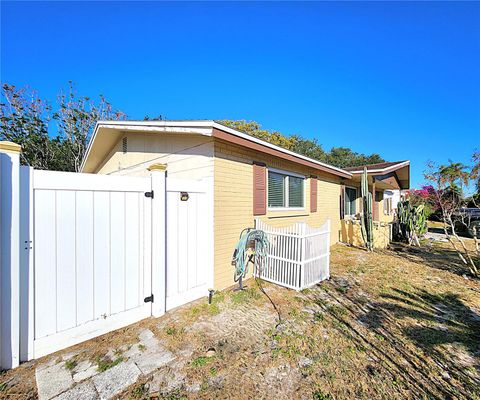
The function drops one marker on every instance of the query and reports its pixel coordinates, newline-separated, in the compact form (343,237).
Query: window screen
(285,191)
(276,190)
(350,204)
(295,191)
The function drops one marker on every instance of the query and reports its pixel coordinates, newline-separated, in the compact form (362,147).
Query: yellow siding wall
(233,197)
(186,156)
(352,234)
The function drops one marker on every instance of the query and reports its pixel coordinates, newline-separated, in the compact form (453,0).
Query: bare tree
(24,120)
(77,117)
(449,181)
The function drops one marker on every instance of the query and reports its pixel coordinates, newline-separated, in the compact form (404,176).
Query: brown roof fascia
(390,179)
(217,133)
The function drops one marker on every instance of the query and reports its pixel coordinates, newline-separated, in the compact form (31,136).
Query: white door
(189,228)
(92,249)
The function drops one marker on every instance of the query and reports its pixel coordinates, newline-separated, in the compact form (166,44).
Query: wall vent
(124,145)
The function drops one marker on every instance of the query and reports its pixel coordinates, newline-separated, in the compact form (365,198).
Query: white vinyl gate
(189,266)
(92,270)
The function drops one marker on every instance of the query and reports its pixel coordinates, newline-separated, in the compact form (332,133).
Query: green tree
(309,148)
(454,175)
(338,156)
(254,129)
(345,157)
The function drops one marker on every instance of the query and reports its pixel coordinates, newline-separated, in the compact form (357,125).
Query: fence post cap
(157,167)
(10,147)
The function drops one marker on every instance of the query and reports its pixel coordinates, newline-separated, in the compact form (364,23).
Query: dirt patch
(396,324)
(244,323)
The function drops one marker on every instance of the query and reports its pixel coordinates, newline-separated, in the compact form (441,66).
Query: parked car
(471,221)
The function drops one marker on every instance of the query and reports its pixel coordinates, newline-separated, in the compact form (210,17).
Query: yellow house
(247,178)
(386,181)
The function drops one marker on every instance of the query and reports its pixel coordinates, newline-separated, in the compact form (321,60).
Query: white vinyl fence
(85,254)
(298,256)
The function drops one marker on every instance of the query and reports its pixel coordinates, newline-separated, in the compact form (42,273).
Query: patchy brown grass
(402,323)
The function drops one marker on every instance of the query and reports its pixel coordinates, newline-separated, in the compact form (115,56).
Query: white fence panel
(91,237)
(298,256)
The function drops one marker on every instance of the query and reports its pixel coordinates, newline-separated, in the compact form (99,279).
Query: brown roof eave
(219,134)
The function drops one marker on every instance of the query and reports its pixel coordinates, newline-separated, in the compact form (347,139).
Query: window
(285,191)
(388,206)
(350,203)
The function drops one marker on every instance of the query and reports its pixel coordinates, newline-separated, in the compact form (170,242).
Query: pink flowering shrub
(426,195)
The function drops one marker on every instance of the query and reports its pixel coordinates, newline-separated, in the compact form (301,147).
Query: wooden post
(9,255)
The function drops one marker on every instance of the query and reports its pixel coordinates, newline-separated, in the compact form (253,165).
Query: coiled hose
(241,258)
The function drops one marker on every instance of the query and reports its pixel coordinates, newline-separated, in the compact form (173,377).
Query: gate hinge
(149,194)
(148,299)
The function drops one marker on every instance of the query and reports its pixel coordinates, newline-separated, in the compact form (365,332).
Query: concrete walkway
(68,380)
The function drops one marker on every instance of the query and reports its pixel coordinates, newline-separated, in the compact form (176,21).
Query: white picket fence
(298,256)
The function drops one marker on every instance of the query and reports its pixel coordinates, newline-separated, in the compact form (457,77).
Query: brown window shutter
(313,194)
(259,189)
(342,201)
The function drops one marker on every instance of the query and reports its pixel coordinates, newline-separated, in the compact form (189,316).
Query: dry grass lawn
(402,323)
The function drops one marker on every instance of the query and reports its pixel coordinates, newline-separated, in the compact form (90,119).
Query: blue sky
(400,79)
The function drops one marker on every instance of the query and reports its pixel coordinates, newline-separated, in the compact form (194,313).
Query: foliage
(426,197)
(367,214)
(247,295)
(254,129)
(309,148)
(475,176)
(139,391)
(106,363)
(412,220)
(26,120)
(448,181)
(200,361)
(71,364)
(338,156)
(319,395)
(344,157)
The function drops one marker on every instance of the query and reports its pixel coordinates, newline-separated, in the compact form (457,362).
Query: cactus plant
(367,215)
(412,220)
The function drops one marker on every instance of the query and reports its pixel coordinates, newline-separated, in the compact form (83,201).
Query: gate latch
(148,299)
(149,194)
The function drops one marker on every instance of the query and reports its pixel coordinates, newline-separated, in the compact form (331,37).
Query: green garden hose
(241,256)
